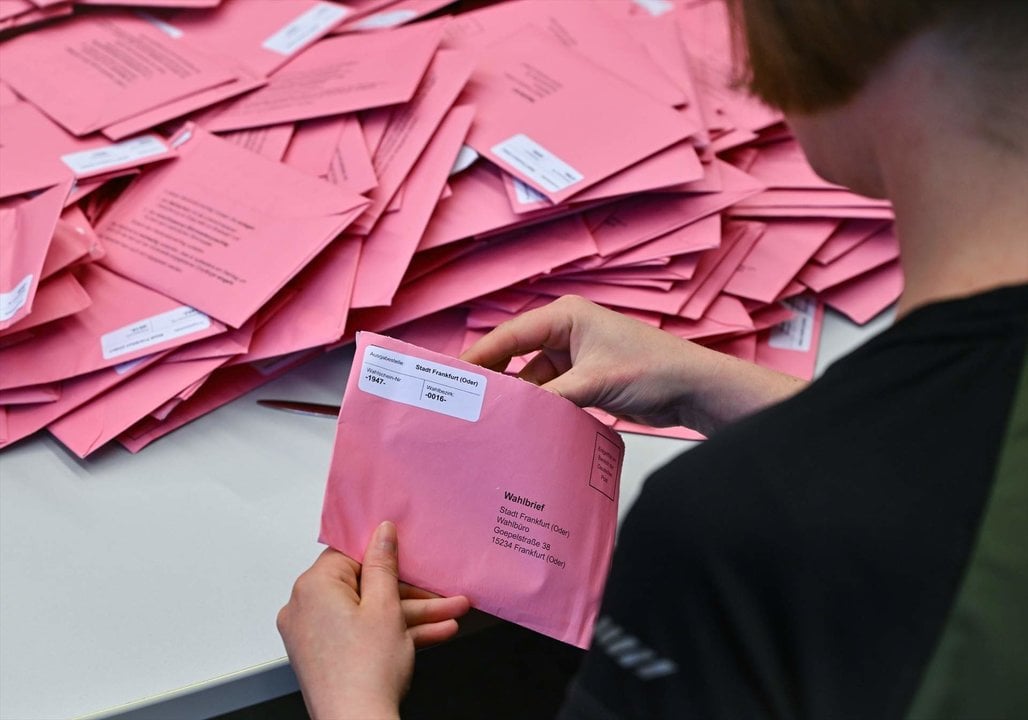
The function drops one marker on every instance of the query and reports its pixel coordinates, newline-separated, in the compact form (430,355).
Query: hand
(350,631)
(599,358)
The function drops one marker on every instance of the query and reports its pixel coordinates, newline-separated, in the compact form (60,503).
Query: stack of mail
(198,195)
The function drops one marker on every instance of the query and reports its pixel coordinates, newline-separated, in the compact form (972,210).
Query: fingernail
(385,537)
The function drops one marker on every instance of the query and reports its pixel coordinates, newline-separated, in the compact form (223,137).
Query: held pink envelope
(501,491)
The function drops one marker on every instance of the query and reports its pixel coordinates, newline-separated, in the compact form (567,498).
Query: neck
(960,194)
(962,220)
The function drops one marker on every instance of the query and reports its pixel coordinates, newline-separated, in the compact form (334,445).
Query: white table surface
(146,586)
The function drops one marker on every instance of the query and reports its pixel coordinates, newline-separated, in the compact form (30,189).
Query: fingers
(421,612)
(379,578)
(432,633)
(545,327)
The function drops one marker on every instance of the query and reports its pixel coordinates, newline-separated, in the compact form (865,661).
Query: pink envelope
(493,265)
(56,297)
(83,75)
(792,346)
(30,148)
(125,321)
(629,222)
(73,241)
(270,142)
(410,129)
(339,75)
(350,166)
(717,267)
(31,395)
(849,234)
(866,295)
(542,119)
(25,231)
(675,166)
(263,35)
(245,81)
(313,308)
(26,420)
(192,4)
(537,518)
(224,385)
(704,234)
(780,253)
(21,17)
(581,26)
(91,426)
(394,14)
(210,229)
(314,144)
(389,248)
(880,248)
(479,205)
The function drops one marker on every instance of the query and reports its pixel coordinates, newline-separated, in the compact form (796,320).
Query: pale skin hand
(351,630)
(595,357)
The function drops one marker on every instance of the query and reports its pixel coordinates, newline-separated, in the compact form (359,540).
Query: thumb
(572,386)
(380,571)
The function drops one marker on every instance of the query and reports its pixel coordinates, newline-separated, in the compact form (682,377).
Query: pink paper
(96,70)
(91,426)
(56,297)
(792,346)
(25,420)
(391,245)
(270,141)
(394,14)
(224,385)
(124,322)
(350,166)
(492,266)
(850,234)
(863,297)
(25,231)
(542,118)
(411,128)
(211,229)
(532,539)
(780,253)
(877,250)
(263,35)
(339,75)
(579,25)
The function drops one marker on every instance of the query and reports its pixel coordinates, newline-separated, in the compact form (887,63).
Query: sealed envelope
(501,491)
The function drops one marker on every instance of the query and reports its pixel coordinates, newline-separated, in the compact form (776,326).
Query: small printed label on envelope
(528,157)
(14,299)
(160,328)
(422,383)
(306,28)
(387,19)
(796,333)
(109,156)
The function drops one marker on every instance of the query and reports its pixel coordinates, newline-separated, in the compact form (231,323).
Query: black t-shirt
(858,551)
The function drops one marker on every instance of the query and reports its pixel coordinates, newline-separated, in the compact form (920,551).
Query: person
(855,548)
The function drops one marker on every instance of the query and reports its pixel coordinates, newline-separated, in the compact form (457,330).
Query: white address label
(160,328)
(14,299)
(422,383)
(387,19)
(797,332)
(109,156)
(305,28)
(528,157)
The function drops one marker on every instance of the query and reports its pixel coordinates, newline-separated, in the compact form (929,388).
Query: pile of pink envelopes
(198,195)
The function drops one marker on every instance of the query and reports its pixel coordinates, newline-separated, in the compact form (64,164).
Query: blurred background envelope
(501,491)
